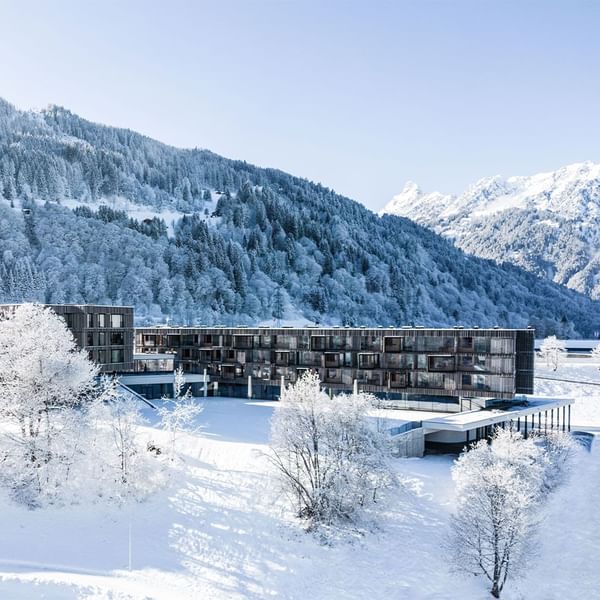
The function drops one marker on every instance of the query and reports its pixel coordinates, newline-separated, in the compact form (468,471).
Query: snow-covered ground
(219,531)
(585,413)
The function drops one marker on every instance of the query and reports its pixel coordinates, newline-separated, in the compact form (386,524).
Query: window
(430,343)
(502,346)
(149,340)
(409,342)
(441,363)
(102,357)
(116,320)
(116,338)
(338,342)
(332,359)
(421,361)
(475,382)
(303,342)
(101,338)
(477,362)
(481,344)
(89,319)
(282,358)
(368,361)
(116,356)
(318,342)
(242,341)
(331,374)
(262,356)
(400,361)
(173,341)
(370,342)
(70,320)
(465,344)
(228,371)
(393,344)
(397,380)
(101,320)
(90,339)
(430,380)
(309,358)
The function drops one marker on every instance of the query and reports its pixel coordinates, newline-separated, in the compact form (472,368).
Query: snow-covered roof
(472,419)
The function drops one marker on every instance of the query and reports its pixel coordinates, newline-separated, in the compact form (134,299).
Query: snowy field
(217,531)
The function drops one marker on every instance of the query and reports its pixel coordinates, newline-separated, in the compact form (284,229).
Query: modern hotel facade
(447,370)
(436,369)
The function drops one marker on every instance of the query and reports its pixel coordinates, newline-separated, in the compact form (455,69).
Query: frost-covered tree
(44,377)
(559,450)
(331,461)
(498,487)
(553,352)
(116,463)
(596,355)
(179,414)
(278,305)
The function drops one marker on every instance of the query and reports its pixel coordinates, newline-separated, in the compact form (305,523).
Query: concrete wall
(409,444)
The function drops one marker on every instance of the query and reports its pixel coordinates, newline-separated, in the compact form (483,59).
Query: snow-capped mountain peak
(548,223)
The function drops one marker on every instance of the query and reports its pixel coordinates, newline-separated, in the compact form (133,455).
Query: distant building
(574,348)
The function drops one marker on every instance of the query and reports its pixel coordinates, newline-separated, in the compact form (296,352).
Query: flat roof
(379,328)
(69,305)
(472,419)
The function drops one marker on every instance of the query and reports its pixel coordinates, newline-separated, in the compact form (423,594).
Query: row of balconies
(387,344)
(401,362)
(448,382)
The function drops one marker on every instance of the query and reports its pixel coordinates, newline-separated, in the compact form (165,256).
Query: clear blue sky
(360,96)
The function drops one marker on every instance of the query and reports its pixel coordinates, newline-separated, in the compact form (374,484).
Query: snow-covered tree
(498,486)
(44,377)
(330,459)
(559,451)
(179,414)
(553,352)
(596,355)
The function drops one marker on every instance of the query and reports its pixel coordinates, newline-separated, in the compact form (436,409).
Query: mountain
(96,214)
(548,224)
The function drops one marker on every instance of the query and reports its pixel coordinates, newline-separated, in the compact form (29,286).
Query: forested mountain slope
(252,244)
(548,223)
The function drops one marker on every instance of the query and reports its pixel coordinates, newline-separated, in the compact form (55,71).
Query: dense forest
(248,245)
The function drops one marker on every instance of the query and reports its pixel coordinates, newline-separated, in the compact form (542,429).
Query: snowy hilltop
(548,224)
(100,215)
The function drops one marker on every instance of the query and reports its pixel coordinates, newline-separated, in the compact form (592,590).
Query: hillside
(90,214)
(548,223)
